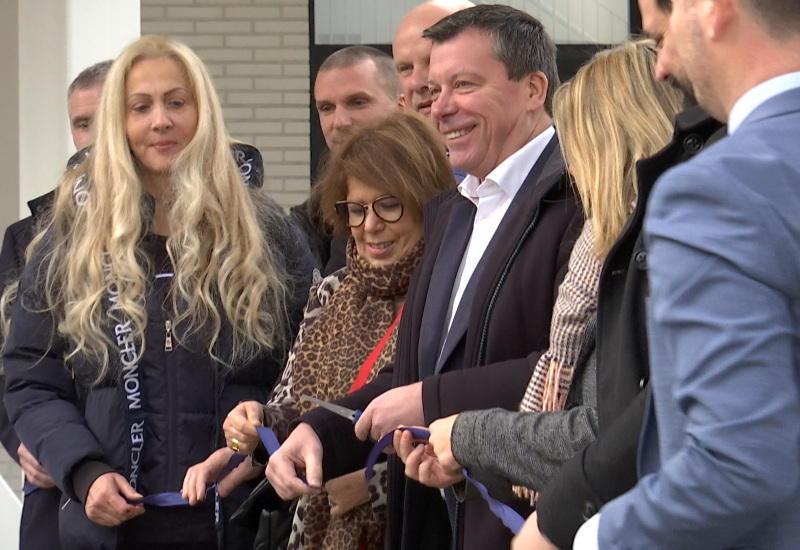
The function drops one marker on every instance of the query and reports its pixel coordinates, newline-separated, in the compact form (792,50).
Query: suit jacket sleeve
(723,265)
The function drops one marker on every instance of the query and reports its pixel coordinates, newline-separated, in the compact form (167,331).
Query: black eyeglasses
(387,208)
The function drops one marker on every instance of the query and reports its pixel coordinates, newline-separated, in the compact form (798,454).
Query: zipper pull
(168,339)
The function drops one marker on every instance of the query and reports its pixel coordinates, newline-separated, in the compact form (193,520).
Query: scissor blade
(350,414)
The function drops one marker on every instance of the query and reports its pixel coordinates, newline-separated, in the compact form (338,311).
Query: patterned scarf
(333,349)
(575,303)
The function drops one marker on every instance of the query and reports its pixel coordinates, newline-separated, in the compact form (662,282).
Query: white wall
(10,510)
(57,39)
(9,102)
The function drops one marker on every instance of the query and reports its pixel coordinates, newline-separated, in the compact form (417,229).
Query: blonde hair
(610,115)
(225,273)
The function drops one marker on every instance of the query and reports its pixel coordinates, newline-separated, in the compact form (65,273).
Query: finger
(197,490)
(241,473)
(126,490)
(227,484)
(403,443)
(43,481)
(364,425)
(246,436)
(253,412)
(413,461)
(282,474)
(102,517)
(122,510)
(430,472)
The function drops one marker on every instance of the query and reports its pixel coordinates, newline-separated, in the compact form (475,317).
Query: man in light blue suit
(720,451)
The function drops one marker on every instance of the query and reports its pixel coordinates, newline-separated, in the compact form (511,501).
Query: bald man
(412,53)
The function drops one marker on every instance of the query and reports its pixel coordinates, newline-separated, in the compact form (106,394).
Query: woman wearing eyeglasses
(372,190)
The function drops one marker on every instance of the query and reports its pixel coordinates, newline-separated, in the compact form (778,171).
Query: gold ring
(234,445)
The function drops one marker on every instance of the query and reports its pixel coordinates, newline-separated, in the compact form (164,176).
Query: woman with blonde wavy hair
(610,115)
(162,293)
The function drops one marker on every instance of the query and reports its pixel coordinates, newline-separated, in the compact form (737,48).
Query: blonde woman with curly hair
(161,294)
(609,116)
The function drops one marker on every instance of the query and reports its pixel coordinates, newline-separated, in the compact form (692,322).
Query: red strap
(366,367)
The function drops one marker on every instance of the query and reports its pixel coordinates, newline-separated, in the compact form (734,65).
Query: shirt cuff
(586,537)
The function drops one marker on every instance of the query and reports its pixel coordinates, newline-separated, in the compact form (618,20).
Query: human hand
(441,433)
(34,472)
(421,464)
(240,424)
(107,500)
(530,538)
(302,451)
(347,492)
(396,407)
(200,476)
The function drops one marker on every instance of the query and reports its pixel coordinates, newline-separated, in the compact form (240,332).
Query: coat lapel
(437,301)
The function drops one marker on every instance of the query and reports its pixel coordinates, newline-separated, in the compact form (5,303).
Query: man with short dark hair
(353,86)
(468,337)
(83,98)
(719,459)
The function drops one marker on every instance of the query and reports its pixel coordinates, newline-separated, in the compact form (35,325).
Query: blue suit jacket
(720,453)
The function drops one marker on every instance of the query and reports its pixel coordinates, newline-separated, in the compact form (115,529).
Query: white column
(9,101)
(10,512)
(58,39)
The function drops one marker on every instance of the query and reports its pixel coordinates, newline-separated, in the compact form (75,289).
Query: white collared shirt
(492,197)
(754,97)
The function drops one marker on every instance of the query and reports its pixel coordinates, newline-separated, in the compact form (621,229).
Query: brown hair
(400,154)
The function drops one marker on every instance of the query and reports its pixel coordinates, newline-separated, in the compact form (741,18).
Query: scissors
(350,414)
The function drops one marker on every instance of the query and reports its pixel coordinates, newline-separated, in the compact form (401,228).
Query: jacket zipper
(506,269)
(168,336)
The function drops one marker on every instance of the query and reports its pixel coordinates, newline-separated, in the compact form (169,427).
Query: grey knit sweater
(502,448)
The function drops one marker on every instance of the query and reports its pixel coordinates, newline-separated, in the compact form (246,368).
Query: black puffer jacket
(79,431)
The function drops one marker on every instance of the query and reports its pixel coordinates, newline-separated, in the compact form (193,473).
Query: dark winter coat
(80,431)
(606,468)
(508,327)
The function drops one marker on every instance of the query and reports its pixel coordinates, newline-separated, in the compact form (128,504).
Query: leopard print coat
(347,314)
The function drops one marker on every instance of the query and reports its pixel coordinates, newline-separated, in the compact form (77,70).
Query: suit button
(640,258)
(589,509)
(693,143)
(642,382)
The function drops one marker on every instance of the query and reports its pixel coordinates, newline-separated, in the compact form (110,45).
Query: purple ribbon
(504,513)
(164,500)
(28,487)
(174,498)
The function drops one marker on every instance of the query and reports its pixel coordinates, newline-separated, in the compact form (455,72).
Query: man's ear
(536,86)
(401,101)
(716,16)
